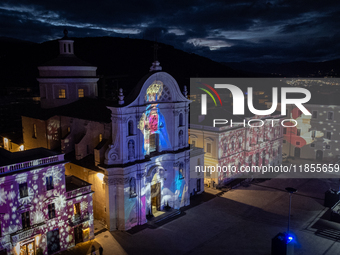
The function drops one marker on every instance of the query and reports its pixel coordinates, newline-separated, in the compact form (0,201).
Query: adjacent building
(12,141)
(66,78)
(315,136)
(40,208)
(236,146)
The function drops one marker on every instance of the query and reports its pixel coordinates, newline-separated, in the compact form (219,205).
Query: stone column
(110,190)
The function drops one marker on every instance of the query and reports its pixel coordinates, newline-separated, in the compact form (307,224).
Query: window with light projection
(152,124)
(303,133)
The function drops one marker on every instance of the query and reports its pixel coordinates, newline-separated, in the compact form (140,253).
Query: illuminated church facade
(147,165)
(134,152)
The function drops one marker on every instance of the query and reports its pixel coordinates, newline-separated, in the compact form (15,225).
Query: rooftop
(73,183)
(15,137)
(9,158)
(324,99)
(66,60)
(92,109)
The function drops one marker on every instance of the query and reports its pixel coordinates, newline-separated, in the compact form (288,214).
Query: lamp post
(290,191)
(282,243)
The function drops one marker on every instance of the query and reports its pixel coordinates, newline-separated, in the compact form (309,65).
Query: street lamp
(282,243)
(290,191)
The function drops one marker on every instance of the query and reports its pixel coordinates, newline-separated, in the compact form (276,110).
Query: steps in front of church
(165,218)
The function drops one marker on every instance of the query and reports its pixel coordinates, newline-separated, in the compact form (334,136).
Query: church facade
(134,152)
(148,163)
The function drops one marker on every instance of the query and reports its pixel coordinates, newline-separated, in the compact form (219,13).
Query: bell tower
(66,45)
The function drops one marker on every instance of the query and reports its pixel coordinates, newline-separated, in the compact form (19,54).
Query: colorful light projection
(302,134)
(152,123)
(159,188)
(178,186)
(36,201)
(248,146)
(53,128)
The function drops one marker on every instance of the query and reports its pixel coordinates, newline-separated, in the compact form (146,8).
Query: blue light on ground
(289,239)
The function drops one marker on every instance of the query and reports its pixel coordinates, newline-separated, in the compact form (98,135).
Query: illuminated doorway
(156,198)
(27,248)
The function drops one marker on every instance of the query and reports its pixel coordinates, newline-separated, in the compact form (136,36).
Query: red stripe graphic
(213,91)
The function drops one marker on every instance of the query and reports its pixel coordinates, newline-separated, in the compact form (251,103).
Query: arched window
(131,149)
(240,142)
(180,138)
(232,145)
(181,170)
(180,119)
(133,187)
(130,127)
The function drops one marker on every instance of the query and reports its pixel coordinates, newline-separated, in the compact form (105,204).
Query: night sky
(261,31)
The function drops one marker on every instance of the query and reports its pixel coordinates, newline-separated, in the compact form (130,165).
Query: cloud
(275,30)
(210,43)
(176,31)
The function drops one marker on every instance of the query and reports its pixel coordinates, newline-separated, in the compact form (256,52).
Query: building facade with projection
(133,151)
(237,146)
(148,162)
(315,136)
(41,208)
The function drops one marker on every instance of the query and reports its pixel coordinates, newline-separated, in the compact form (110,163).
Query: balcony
(78,219)
(27,232)
(76,187)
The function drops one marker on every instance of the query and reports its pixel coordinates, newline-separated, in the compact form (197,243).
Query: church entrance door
(156,197)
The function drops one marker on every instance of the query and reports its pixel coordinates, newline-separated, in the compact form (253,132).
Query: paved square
(241,221)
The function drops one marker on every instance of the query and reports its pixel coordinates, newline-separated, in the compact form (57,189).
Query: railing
(32,163)
(26,233)
(78,192)
(78,219)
